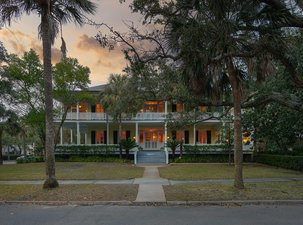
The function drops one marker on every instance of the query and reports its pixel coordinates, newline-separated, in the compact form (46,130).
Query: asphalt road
(146,215)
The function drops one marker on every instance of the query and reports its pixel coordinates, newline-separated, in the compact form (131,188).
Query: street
(147,215)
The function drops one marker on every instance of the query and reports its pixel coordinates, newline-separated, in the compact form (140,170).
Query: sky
(22,35)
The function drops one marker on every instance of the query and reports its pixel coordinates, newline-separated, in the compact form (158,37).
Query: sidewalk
(156,181)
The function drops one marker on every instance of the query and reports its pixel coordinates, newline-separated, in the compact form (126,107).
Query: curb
(155,204)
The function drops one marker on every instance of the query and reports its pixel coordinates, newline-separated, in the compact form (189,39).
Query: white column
(137,132)
(107,133)
(61,135)
(85,138)
(165,127)
(78,125)
(165,107)
(71,136)
(194,134)
(78,133)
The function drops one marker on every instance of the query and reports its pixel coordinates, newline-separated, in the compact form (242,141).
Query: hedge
(111,159)
(209,158)
(284,161)
(197,149)
(86,149)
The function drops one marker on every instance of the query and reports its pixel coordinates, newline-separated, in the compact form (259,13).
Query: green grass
(71,171)
(89,192)
(292,190)
(222,171)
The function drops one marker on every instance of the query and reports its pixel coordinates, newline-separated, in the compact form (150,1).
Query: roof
(98,87)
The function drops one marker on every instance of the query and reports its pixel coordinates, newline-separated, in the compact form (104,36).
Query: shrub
(29,159)
(92,159)
(209,158)
(86,149)
(197,149)
(284,161)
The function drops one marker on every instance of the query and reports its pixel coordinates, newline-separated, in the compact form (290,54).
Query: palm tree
(52,14)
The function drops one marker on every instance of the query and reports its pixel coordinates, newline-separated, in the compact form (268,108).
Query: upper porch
(157,111)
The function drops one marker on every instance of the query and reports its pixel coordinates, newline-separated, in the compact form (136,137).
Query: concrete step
(151,157)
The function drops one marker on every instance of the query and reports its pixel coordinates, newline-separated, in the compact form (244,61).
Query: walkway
(150,186)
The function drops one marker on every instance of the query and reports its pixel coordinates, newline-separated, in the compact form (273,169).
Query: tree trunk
(1,157)
(24,143)
(51,181)
(181,144)
(236,84)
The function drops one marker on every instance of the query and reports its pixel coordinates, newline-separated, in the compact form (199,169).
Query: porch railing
(103,116)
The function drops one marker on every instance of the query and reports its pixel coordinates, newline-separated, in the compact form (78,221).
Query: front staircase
(151,157)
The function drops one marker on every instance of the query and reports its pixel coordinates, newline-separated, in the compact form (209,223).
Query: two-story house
(89,124)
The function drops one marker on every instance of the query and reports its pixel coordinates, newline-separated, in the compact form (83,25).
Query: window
(203,137)
(154,106)
(141,137)
(161,106)
(181,135)
(180,107)
(83,107)
(160,137)
(99,137)
(202,109)
(99,108)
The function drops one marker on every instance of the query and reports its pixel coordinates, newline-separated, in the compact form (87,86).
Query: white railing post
(135,156)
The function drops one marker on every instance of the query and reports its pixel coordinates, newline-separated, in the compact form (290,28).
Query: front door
(153,140)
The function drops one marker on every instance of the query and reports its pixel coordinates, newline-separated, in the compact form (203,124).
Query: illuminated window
(202,109)
(202,137)
(83,107)
(141,137)
(180,135)
(147,137)
(161,106)
(99,108)
(153,106)
(99,137)
(160,137)
(180,107)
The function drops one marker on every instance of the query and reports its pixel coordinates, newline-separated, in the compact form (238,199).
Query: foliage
(173,144)
(29,159)
(87,149)
(208,157)
(284,161)
(69,78)
(196,149)
(92,159)
(277,127)
(128,144)
(26,76)
(121,98)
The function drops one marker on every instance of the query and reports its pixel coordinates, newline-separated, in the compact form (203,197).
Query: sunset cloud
(101,61)
(18,42)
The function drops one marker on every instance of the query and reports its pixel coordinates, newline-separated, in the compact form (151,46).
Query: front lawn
(71,171)
(78,192)
(202,171)
(292,190)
